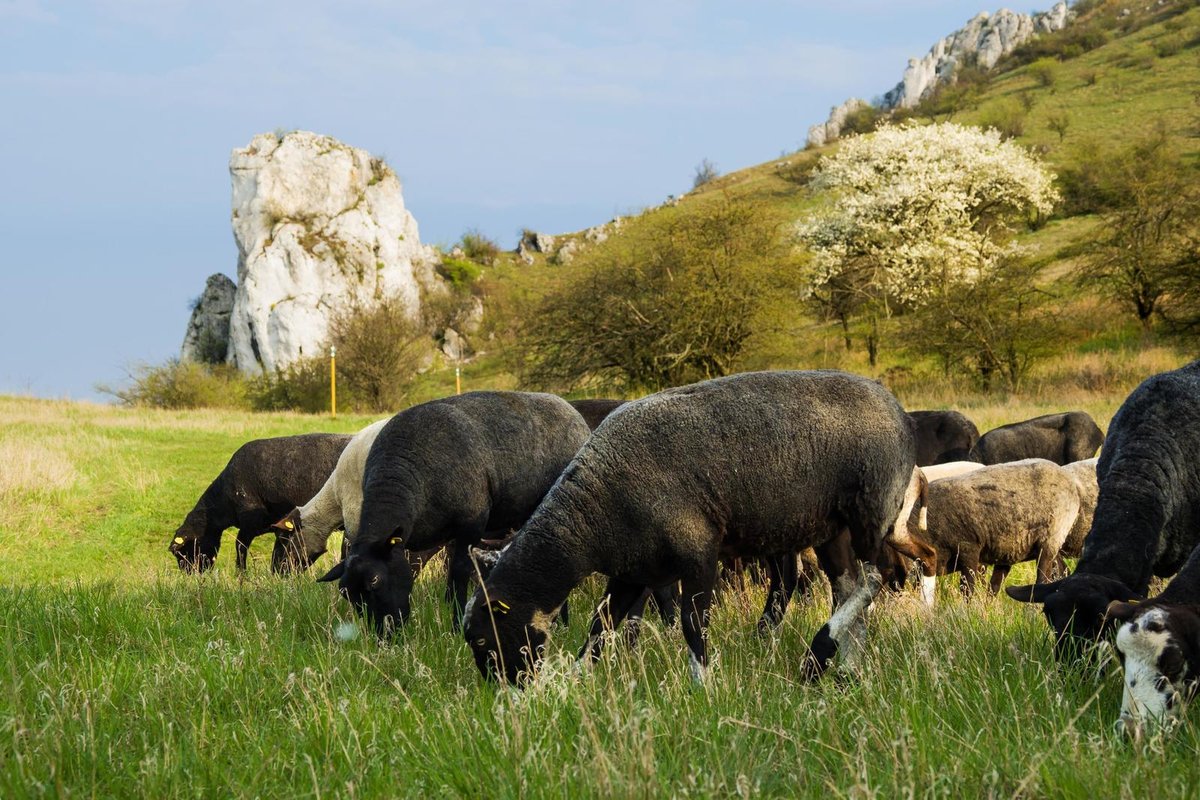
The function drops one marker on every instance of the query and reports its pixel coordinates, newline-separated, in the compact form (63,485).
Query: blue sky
(117,118)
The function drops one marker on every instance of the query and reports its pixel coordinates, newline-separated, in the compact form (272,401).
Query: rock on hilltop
(984,40)
(320,226)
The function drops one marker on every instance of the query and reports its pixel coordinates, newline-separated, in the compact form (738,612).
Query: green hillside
(1140,76)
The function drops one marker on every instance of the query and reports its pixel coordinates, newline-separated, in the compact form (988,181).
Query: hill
(1073,97)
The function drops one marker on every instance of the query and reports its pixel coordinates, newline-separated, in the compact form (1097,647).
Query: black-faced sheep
(1002,514)
(1147,518)
(757,464)
(943,436)
(263,480)
(451,470)
(1159,646)
(1061,438)
(304,532)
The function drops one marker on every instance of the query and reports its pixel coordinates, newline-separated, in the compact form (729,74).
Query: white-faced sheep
(757,464)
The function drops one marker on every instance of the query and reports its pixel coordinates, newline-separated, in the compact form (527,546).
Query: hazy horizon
(547,115)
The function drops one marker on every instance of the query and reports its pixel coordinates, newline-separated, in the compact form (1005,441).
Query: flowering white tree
(911,208)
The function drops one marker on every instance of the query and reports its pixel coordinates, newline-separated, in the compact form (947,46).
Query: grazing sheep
(595,411)
(943,436)
(1147,518)
(1002,514)
(1084,473)
(451,470)
(1061,438)
(757,464)
(304,532)
(264,479)
(1159,644)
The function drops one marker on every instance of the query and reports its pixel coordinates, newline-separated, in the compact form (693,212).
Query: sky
(117,118)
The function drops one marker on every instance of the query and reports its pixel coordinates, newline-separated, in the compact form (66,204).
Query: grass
(122,677)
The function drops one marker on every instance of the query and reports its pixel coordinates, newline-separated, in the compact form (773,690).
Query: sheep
(1159,645)
(1002,514)
(305,530)
(595,411)
(943,436)
(1147,518)
(756,464)
(1084,473)
(1061,438)
(263,479)
(450,470)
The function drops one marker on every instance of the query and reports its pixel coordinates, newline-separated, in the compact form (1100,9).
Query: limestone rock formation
(320,226)
(984,40)
(207,337)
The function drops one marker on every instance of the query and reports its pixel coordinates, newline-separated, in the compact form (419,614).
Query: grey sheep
(756,464)
(1061,438)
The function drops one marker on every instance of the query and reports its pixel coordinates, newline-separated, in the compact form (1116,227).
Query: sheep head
(1159,646)
(507,637)
(1076,608)
(378,583)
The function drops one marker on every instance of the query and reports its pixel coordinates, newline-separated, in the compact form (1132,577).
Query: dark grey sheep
(1061,438)
(451,470)
(263,480)
(943,436)
(1147,518)
(757,464)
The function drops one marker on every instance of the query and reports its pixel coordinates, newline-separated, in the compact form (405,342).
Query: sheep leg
(919,550)
(1046,562)
(999,576)
(845,631)
(784,576)
(838,563)
(242,548)
(619,597)
(459,570)
(667,600)
(971,569)
(633,619)
(697,600)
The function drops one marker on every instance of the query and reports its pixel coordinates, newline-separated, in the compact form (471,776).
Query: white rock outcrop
(984,40)
(320,226)
(207,337)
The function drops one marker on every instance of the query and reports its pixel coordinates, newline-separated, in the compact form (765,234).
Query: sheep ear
(485,560)
(1032,593)
(1122,612)
(333,574)
(289,524)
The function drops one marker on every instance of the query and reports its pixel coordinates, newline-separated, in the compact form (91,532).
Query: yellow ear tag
(288,524)
(500,607)
(178,540)
(1133,601)
(395,540)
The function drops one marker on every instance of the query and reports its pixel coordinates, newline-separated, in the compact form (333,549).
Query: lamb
(1159,644)
(305,530)
(450,470)
(263,479)
(1061,438)
(943,436)
(1147,518)
(756,464)
(1003,515)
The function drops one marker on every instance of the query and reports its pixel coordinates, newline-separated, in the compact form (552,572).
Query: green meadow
(120,676)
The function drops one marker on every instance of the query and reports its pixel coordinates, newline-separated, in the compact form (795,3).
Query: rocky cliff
(319,226)
(207,337)
(984,40)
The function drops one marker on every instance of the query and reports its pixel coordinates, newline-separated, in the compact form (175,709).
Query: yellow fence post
(457,379)
(333,381)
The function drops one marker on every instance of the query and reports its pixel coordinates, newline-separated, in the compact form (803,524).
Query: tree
(706,172)
(674,299)
(1148,242)
(909,207)
(379,349)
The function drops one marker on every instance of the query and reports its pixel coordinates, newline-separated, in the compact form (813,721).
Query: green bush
(301,386)
(182,384)
(1044,71)
(479,248)
(1008,118)
(461,273)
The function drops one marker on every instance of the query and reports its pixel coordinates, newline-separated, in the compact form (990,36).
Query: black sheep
(451,470)
(595,411)
(263,480)
(1061,438)
(943,436)
(1147,518)
(757,464)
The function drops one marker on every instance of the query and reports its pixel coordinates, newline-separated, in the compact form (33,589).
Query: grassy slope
(1134,91)
(123,677)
